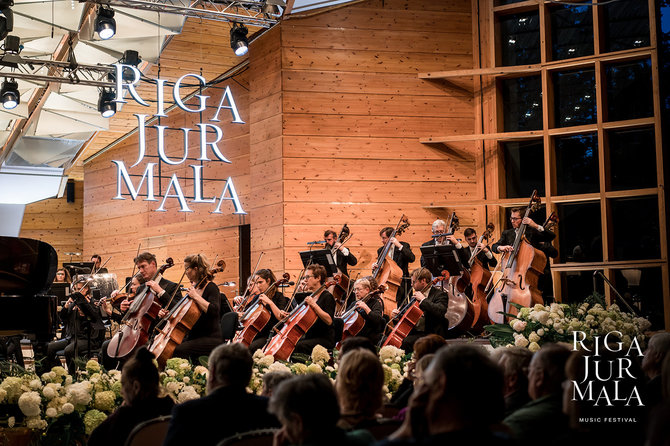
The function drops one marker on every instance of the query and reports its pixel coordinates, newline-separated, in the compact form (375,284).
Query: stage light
(130,57)
(238,39)
(13,45)
(7,18)
(105,25)
(9,94)
(106,104)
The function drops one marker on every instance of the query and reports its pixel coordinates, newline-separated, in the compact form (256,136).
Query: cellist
(433,303)
(372,310)
(321,333)
(274,301)
(401,253)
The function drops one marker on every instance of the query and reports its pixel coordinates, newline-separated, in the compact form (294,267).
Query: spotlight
(130,57)
(106,104)
(238,39)
(9,94)
(7,18)
(13,45)
(105,25)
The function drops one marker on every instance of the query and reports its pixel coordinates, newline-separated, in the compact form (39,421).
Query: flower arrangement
(537,325)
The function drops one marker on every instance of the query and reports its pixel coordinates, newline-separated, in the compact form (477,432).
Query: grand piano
(27,269)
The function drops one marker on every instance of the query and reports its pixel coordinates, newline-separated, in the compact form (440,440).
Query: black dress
(261,338)
(206,333)
(320,333)
(374,321)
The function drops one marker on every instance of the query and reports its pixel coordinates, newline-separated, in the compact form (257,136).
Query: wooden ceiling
(203,47)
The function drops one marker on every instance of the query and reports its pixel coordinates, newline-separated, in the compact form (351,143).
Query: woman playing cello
(206,333)
(273,301)
(371,310)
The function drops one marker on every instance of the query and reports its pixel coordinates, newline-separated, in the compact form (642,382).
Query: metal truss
(14,66)
(249,12)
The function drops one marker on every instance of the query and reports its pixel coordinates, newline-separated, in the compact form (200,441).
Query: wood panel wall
(58,223)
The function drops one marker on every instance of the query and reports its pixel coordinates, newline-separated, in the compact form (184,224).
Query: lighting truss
(56,71)
(249,12)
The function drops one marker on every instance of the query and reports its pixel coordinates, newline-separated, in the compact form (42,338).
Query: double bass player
(401,253)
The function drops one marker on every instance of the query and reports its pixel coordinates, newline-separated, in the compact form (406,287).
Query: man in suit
(440,227)
(485,256)
(433,303)
(342,256)
(227,409)
(401,253)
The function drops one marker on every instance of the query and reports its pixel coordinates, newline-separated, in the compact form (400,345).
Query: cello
(520,273)
(296,325)
(353,319)
(388,272)
(135,325)
(178,323)
(257,316)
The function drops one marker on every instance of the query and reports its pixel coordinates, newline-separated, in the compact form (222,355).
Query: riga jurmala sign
(207,143)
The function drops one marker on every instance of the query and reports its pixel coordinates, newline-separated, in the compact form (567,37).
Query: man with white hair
(440,227)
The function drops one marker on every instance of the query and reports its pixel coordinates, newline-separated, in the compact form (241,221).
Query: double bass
(479,277)
(341,291)
(520,273)
(257,316)
(135,325)
(353,319)
(388,272)
(178,323)
(296,324)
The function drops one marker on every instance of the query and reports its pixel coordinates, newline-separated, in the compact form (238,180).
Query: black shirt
(280,301)
(208,326)
(374,320)
(320,329)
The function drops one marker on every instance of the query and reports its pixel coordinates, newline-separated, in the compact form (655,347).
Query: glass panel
(635,233)
(642,288)
(578,285)
(626,25)
(629,91)
(579,232)
(520,38)
(632,159)
(522,103)
(574,97)
(576,164)
(524,168)
(571,32)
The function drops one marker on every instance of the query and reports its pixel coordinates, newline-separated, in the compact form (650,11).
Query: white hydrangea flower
(68,408)
(533,337)
(533,347)
(51,412)
(519,326)
(320,354)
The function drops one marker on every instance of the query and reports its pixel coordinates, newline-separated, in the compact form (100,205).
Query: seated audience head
(514,362)
(356,342)
(230,365)
(139,378)
(428,344)
(306,407)
(271,380)
(420,368)
(359,383)
(546,371)
(457,381)
(657,348)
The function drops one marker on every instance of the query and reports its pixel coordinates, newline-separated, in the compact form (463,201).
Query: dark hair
(318,271)
(199,263)
(551,358)
(272,379)
(141,368)
(360,378)
(519,210)
(329,232)
(468,232)
(268,276)
(356,342)
(387,230)
(96,256)
(428,344)
(145,257)
(231,364)
(297,396)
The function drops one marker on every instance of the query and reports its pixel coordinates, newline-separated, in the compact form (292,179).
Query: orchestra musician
(373,309)
(84,330)
(321,333)
(342,255)
(274,301)
(97,264)
(433,303)
(62,276)
(401,253)
(440,227)
(485,255)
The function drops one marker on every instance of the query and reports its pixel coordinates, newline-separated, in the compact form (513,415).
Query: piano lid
(27,266)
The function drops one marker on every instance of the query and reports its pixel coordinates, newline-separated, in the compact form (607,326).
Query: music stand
(440,258)
(321,257)
(79,267)
(61,290)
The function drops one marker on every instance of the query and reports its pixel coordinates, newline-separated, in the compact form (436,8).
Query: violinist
(275,301)
(401,253)
(433,303)
(372,310)
(484,255)
(206,333)
(440,227)
(342,256)
(83,327)
(321,333)
(97,265)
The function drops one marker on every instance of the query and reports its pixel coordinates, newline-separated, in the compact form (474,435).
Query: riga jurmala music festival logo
(206,143)
(604,381)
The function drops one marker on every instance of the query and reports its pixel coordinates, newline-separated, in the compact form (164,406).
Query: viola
(135,325)
(388,272)
(179,322)
(353,319)
(295,325)
(257,316)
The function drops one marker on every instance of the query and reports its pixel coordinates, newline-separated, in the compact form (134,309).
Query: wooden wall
(58,223)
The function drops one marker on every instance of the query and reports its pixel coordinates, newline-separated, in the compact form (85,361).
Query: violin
(295,326)
(388,272)
(135,324)
(179,322)
(353,319)
(257,316)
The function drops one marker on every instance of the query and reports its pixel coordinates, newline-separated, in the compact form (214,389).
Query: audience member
(658,431)
(227,409)
(271,380)
(359,383)
(657,349)
(355,342)
(544,413)
(514,362)
(307,409)
(423,346)
(140,401)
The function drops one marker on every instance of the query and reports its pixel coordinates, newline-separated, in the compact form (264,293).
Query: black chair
(229,323)
(338,327)
(258,437)
(149,433)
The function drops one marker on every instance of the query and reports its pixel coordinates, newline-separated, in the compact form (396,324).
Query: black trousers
(68,345)
(194,348)
(305,346)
